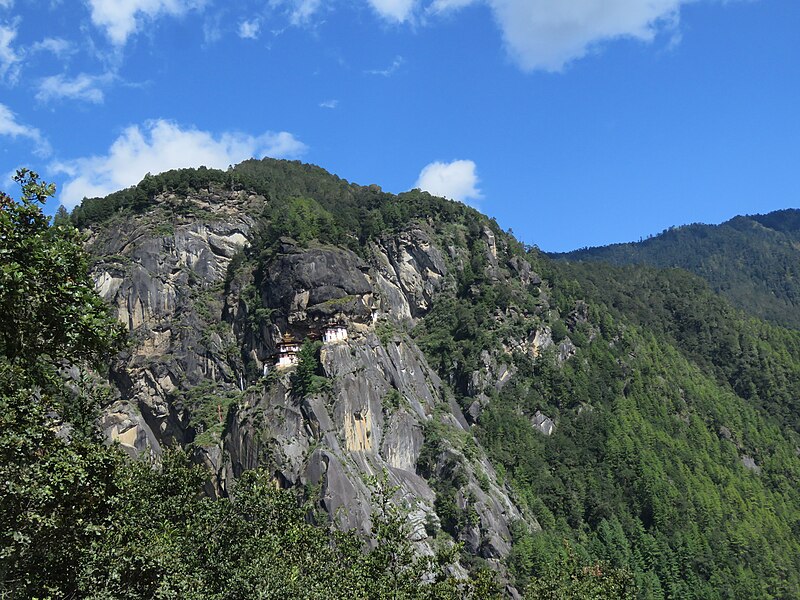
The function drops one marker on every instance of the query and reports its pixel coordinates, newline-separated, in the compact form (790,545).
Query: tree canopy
(48,307)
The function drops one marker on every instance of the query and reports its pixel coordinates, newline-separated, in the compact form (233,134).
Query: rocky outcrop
(122,423)
(409,270)
(334,440)
(205,323)
(543,423)
(163,273)
(317,283)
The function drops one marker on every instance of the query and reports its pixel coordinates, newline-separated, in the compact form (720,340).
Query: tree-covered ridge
(756,360)
(676,420)
(310,202)
(753,260)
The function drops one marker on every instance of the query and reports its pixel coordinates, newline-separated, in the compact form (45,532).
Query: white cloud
(122,18)
(9,126)
(390,70)
(457,180)
(58,46)
(397,11)
(303,10)
(162,145)
(6,3)
(9,59)
(7,181)
(548,34)
(249,30)
(329,104)
(212,29)
(88,88)
(438,6)
(538,34)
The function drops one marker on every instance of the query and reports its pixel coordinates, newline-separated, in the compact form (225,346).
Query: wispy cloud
(11,127)
(122,18)
(441,6)
(398,11)
(9,58)
(303,10)
(84,87)
(56,46)
(250,30)
(161,145)
(212,29)
(390,70)
(457,180)
(329,104)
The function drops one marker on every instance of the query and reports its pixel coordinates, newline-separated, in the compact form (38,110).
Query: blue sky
(573,122)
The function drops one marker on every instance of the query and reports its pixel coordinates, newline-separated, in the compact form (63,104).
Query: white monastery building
(287,351)
(334,332)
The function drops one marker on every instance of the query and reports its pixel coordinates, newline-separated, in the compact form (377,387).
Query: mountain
(583,429)
(209,280)
(754,261)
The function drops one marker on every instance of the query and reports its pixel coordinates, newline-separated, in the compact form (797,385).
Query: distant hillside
(752,260)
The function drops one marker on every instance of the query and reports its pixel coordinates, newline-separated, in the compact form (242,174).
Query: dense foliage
(757,361)
(170,541)
(55,480)
(303,201)
(670,394)
(753,261)
(47,304)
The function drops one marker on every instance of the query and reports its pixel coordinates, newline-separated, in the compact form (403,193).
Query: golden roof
(288,339)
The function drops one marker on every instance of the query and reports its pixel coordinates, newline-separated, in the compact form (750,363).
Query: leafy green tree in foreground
(54,495)
(48,307)
(172,542)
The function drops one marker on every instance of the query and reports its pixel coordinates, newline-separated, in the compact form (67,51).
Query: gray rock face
(410,264)
(750,464)
(523,270)
(196,321)
(541,341)
(566,350)
(334,441)
(163,274)
(121,423)
(317,284)
(543,423)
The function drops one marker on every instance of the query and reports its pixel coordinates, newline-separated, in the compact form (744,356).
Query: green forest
(672,471)
(750,260)
(669,389)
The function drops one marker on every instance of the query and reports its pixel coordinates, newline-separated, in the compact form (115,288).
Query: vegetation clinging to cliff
(670,394)
(299,189)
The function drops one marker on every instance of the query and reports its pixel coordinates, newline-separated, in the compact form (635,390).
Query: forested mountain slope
(630,411)
(583,430)
(754,260)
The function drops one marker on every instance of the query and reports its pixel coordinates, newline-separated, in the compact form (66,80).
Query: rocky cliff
(207,301)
